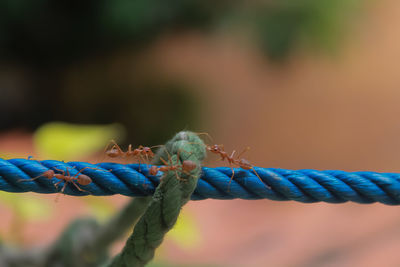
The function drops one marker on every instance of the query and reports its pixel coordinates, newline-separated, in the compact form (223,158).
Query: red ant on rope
(81,179)
(235,161)
(239,162)
(186,167)
(142,153)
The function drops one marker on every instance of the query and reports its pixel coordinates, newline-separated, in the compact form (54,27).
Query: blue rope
(306,186)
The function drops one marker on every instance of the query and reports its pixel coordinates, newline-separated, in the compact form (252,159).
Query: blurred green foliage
(151,110)
(53,38)
(281,26)
(47,33)
(44,32)
(64,141)
(27,208)
(24,209)
(100,207)
(166,264)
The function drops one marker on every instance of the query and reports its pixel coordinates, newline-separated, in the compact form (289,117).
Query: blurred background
(304,83)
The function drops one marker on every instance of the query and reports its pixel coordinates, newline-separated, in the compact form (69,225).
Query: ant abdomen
(113,153)
(83,179)
(188,165)
(245,164)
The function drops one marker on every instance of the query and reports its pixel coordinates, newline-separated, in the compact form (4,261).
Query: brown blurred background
(305,84)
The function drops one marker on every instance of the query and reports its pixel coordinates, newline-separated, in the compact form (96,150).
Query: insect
(235,161)
(186,167)
(142,153)
(78,178)
(219,150)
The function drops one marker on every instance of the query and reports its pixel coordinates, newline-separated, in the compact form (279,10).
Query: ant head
(153,170)
(148,152)
(188,165)
(214,148)
(83,179)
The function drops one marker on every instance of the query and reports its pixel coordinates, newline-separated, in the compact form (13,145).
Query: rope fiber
(306,186)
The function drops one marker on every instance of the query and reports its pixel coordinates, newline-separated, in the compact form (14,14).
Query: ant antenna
(206,134)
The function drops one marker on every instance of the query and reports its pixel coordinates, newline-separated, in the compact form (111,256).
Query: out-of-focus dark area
(88,62)
(304,83)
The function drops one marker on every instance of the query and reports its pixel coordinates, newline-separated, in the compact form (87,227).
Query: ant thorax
(188,165)
(136,152)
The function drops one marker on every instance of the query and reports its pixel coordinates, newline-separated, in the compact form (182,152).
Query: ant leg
(169,156)
(244,150)
(230,180)
(186,172)
(81,170)
(62,171)
(80,189)
(56,184)
(98,169)
(178,155)
(84,168)
(68,174)
(129,149)
(31,179)
(206,134)
(233,153)
(252,168)
(163,161)
(179,151)
(178,177)
(116,146)
(157,146)
(139,159)
(63,188)
(104,151)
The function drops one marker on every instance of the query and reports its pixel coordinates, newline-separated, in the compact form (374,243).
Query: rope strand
(279,184)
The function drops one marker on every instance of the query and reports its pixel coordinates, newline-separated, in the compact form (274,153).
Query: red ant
(240,162)
(79,178)
(141,153)
(187,166)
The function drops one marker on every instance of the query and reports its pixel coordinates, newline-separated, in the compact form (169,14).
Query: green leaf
(27,207)
(101,207)
(64,141)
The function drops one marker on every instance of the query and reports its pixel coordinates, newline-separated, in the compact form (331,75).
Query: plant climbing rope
(306,185)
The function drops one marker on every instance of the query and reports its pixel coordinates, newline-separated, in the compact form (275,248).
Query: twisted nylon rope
(279,184)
